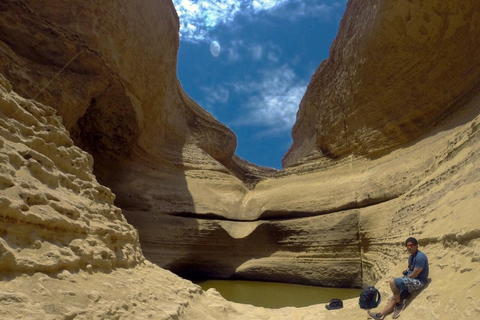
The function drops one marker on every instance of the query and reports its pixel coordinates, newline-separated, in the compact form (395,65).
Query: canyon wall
(386,146)
(54,213)
(394,71)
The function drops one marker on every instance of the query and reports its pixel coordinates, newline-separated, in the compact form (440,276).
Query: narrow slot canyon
(113,181)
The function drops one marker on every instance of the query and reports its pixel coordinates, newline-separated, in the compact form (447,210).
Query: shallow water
(276,295)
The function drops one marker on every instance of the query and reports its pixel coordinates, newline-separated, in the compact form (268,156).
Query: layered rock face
(375,85)
(316,251)
(124,103)
(54,214)
(317,183)
(393,72)
(386,146)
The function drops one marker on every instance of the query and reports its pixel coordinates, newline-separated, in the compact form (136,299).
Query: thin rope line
(57,74)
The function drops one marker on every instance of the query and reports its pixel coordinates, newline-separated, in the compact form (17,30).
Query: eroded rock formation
(54,214)
(386,146)
(394,71)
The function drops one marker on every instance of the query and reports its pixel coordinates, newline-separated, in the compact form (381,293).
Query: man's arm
(415,273)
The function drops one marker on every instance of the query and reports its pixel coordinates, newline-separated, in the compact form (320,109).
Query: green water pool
(276,295)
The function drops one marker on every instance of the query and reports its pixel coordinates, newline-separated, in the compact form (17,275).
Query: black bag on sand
(334,304)
(369,298)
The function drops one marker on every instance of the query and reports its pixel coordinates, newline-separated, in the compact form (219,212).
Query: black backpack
(369,298)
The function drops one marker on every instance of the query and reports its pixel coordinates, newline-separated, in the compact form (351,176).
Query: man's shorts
(409,284)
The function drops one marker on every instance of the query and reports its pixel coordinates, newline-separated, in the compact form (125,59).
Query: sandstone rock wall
(395,70)
(392,85)
(386,146)
(117,90)
(323,250)
(54,214)
(412,191)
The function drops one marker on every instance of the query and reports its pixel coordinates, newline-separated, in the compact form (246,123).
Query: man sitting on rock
(415,278)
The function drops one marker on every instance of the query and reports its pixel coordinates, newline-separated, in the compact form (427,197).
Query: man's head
(412,245)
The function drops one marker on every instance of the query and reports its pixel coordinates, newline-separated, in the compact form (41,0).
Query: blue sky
(248,63)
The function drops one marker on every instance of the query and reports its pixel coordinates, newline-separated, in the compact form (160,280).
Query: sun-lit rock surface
(54,214)
(394,71)
(386,146)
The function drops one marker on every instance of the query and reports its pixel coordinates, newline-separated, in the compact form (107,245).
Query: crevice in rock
(279,251)
(277,215)
(109,125)
(462,239)
(360,247)
(269,215)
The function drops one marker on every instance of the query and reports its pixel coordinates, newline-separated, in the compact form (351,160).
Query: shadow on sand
(411,296)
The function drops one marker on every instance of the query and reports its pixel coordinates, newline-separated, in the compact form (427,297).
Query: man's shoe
(398,309)
(376,316)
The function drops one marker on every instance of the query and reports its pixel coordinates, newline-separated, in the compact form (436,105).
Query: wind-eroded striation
(53,213)
(386,146)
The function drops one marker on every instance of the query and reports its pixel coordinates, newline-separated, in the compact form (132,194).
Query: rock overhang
(429,180)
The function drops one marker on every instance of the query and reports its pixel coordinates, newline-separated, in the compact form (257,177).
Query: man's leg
(397,285)
(394,286)
(395,290)
(389,307)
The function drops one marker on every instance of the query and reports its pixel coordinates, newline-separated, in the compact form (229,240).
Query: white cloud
(273,101)
(238,48)
(272,56)
(323,9)
(198,17)
(204,15)
(257,52)
(233,51)
(215,95)
(261,5)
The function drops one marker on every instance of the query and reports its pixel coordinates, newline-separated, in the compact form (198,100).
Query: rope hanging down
(41,90)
